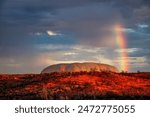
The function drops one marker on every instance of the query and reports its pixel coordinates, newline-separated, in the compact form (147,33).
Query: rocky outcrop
(77,67)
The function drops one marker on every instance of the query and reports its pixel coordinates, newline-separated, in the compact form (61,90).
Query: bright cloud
(143,25)
(128,50)
(130,30)
(52,33)
(70,53)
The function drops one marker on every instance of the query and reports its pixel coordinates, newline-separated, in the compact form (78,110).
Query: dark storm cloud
(30,11)
(40,15)
(19,17)
(88,22)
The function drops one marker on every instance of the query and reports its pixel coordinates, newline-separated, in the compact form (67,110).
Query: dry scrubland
(77,85)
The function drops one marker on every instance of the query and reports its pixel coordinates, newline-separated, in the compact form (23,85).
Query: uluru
(77,67)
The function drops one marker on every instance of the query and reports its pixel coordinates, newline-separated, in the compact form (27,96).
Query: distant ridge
(77,67)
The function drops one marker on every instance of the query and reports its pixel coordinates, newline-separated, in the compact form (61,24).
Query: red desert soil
(77,85)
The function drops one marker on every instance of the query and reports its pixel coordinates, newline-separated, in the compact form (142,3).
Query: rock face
(77,67)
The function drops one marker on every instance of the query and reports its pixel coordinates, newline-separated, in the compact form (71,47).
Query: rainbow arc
(122,44)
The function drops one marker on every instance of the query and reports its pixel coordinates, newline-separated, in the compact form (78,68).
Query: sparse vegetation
(76,85)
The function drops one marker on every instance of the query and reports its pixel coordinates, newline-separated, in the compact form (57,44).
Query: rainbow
(122,44)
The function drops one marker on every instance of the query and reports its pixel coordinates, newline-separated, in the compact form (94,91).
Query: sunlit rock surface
(77,67)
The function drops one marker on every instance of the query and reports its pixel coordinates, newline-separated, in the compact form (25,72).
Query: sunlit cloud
(47,58)
(73,53)
(50,47)
(88,49)
(70,53)
(143,25)
(134,59)
(79,48)
(52,33)
(128,50)
(129,30)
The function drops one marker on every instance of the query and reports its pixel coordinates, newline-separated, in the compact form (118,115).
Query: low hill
(77,67)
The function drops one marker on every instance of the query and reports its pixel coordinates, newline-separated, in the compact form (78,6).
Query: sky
(37,33)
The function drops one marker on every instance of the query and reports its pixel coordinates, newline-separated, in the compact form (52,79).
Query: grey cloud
(81,18)
(89,22)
